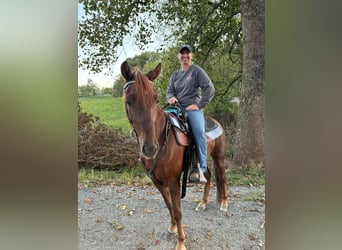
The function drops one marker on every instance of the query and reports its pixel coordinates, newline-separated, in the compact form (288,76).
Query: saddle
(184,137)
(182,131)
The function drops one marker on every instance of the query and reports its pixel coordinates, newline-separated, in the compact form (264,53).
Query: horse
(160,153)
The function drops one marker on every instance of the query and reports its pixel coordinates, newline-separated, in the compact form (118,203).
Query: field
(110,110)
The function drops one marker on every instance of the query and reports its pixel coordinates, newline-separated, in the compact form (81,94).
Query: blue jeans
(197,124)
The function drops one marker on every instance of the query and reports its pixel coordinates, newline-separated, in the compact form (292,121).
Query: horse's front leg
(167,198)
(174,188)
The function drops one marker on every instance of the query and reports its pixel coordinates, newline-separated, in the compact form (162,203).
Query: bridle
(167,130)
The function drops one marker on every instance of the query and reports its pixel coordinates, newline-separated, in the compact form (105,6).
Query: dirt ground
(135,217)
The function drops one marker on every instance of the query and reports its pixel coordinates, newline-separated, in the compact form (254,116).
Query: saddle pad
(210,124)
(212,129)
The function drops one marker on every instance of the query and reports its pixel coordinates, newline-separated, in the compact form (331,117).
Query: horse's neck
(161,120)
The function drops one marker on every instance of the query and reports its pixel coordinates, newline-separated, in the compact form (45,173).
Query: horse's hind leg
(221,181)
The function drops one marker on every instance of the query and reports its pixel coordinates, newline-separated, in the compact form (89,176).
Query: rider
(185,87)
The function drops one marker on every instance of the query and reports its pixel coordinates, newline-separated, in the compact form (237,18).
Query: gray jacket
(187,86)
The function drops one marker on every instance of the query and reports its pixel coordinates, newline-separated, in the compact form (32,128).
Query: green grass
(245,176)
(135,175)
(236,177)
(110,110)
(254,196)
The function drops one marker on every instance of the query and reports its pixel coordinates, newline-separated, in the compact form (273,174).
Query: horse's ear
(126,71)
(153,74)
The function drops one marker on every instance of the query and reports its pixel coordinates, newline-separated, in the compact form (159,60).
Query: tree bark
(249,141)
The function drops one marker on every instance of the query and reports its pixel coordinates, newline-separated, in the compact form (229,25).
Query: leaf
(99,220)
(122,206)
(88,200)
(148,210)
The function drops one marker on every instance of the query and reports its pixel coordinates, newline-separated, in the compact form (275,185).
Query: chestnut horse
(160,154)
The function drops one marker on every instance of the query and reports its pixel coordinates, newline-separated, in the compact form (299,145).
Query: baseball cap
(185,46)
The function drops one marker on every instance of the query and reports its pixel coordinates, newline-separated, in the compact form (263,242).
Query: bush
(100,147)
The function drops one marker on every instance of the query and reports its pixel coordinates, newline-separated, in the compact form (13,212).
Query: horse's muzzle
(149,151)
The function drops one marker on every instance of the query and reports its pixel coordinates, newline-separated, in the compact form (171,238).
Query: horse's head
(141,107)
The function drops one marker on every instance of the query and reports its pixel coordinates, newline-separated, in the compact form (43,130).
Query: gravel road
(135,217)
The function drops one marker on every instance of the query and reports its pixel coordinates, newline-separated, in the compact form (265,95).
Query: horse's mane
(144,88)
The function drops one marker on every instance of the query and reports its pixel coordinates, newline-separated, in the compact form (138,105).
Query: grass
(135,175)
(254,196)
(246,176)
(109,109)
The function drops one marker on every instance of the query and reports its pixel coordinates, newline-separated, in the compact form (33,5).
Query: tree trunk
(249,141)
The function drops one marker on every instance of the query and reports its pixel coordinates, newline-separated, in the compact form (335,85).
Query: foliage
(89,89)
(100,147)
(108,91)
(206,25)
(118,87)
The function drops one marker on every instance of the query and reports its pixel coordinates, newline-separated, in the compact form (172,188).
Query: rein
(162,149)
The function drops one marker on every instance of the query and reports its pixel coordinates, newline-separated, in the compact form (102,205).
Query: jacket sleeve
(208,89)
(170,92)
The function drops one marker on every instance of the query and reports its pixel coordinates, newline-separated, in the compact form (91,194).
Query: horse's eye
(128,102)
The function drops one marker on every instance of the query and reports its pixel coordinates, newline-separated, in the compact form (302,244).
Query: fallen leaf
(113,223)
(122,206)
(253,237)
(252,210)
(99,220)
(148,210)
(229,214)
(262,224)
(88,200)
(120,227)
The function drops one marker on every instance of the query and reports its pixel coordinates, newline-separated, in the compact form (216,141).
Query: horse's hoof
(182,247)
(224,208)
(172,230)
(201,207)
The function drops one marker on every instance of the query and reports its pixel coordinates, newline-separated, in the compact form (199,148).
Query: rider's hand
(172,100)
(192,107)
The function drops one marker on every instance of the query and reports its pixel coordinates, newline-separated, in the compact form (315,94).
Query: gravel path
(135,217)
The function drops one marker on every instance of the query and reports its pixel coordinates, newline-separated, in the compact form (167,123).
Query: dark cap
(185,46)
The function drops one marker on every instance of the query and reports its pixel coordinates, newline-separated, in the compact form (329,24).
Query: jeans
(197,124)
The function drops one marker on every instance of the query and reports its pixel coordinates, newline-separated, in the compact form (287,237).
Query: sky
(128,50)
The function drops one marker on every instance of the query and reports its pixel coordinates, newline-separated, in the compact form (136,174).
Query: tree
(89,89)
(249,142)
(118,87)
(108,91)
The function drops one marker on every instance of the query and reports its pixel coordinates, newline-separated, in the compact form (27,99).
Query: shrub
(100,147)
